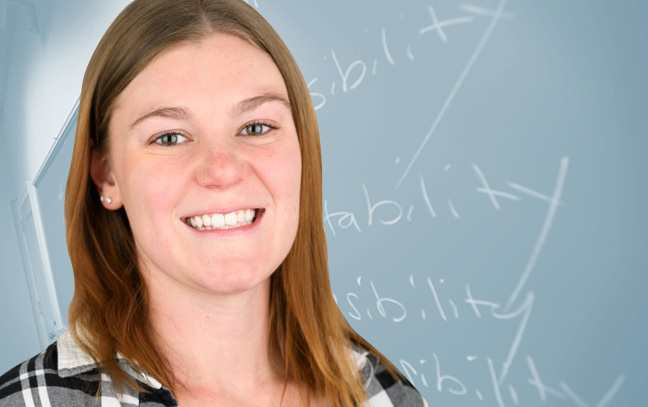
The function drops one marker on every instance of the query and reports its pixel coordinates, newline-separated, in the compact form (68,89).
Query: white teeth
(223,221)
(231,219)
(218,220)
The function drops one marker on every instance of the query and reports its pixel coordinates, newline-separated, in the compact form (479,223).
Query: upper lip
(222,211)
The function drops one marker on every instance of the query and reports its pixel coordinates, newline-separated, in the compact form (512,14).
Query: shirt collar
(72,361)
(360,357)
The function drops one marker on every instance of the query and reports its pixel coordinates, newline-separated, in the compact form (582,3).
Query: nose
(221,166)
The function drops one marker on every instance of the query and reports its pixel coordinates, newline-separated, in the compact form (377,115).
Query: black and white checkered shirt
(63,375)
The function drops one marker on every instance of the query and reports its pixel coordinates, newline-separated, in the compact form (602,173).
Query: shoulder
(384,389)
(64,375)
(38,382)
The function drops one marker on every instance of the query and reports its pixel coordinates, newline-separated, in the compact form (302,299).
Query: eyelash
(157,139)
(257,123)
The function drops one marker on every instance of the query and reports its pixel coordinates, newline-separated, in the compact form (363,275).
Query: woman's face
(205,159)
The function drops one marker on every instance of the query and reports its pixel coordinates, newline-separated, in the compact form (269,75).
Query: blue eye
(256,129)
(171,139)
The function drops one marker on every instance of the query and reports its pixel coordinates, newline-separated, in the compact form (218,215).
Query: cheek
(147,190)
(282,169)
(292,179)
(289,216)
(294,193)
(282,173)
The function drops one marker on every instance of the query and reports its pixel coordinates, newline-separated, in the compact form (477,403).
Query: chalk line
(555,202)
(469,8)
(386,49)
(455,89)
(610,394)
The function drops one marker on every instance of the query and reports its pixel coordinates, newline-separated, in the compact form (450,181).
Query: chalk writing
(464,73)
(428,373)
(438,25)
(389,212)
(353,74)
(372,304)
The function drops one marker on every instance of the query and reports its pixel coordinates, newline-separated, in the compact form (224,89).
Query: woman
(193,210)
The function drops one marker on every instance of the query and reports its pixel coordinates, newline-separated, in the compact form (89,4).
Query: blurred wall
(46,63)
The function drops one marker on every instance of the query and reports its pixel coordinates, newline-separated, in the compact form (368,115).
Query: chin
(236,280)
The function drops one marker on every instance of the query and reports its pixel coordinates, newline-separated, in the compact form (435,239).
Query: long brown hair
(108,313)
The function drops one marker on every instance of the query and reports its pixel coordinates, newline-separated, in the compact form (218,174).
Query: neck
(213,341)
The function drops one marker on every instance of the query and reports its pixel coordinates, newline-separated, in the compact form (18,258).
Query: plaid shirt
(63,375)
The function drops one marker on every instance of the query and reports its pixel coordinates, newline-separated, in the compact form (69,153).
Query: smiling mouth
(223,221)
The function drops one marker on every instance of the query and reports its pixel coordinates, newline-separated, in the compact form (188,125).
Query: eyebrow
(256,101)
(176,113)
(244,106)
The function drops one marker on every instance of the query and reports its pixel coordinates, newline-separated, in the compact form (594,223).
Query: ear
(102,176)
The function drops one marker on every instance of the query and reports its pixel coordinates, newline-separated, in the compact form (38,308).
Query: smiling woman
(206,162)
(194,226)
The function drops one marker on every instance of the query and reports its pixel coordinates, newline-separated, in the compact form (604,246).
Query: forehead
(218,68)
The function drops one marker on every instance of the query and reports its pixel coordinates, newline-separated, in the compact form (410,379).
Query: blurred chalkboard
(50,187)
(484,189)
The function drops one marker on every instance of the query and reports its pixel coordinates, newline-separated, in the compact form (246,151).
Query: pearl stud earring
(108,200)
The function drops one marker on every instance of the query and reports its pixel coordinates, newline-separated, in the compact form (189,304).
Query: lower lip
(232,231)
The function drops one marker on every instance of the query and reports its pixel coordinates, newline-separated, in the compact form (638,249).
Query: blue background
(485,190)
